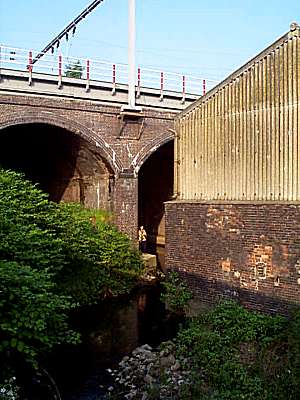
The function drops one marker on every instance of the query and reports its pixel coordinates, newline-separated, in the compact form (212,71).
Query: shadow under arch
(63,160)
(49,118)
(151,148)
(155,186)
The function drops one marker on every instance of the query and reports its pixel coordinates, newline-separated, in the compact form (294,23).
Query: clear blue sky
(206,38)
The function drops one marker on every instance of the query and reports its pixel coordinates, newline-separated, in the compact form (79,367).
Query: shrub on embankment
(53,257)
(228,353)
(233,353)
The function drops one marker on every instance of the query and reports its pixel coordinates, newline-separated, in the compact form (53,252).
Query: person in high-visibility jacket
(142,239)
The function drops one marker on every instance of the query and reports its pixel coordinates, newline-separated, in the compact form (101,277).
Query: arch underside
(73,126)
(64,164)
(73,163)
(150,148)
(155,187)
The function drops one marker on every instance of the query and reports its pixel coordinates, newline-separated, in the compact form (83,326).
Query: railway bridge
(233,201)
(75,138)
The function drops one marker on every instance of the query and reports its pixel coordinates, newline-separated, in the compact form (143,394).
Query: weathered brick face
(126,202)
(250,252)
(124,145)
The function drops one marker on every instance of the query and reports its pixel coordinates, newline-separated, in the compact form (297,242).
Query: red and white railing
(98,70)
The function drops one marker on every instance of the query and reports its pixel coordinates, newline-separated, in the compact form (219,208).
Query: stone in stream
(150,369)
(168,361)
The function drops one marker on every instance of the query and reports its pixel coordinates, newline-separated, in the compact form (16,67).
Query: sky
(205,38)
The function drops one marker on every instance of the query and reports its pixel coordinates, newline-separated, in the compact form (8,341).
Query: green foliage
(233,353)
(100,261)
(281,363)
(74,70)
(33,316)
(24,236)
(176,294)
(52,258)
(88,257)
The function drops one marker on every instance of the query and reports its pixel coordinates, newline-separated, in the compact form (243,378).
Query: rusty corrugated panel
(241,141)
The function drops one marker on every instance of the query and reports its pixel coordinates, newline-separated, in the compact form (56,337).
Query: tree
(88,261)
(74,70)
(33,315)
(99,260)
(52,259)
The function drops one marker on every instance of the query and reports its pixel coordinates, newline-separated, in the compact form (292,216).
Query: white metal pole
(131,53)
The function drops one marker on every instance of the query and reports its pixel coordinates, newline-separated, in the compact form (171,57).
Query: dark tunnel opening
(61,162)
(156,181)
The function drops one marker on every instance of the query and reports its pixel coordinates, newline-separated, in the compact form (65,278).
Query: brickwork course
(249,252)
(233,227)
(106,142)
(233,230)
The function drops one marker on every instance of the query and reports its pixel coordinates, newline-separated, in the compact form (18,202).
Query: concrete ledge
(149,260)
(228,202)
(12,81)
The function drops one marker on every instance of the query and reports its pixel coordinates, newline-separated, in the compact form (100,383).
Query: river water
(109,331)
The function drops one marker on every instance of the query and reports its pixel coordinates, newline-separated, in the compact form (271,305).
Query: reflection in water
(109,330)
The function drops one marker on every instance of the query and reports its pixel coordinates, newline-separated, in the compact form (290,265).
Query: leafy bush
(233,353)
(33,316)
(53,257)
(74,70)
(99,260)
(175,293)
(24,219)
(88,260)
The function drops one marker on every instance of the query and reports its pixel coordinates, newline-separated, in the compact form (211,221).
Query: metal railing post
(161,86)
(30,67)
(0,61)
(59,71)
(113,92)
(204,87)
(87,87)
(183,89)
(138,93)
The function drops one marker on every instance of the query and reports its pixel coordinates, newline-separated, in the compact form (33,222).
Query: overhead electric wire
(65,31)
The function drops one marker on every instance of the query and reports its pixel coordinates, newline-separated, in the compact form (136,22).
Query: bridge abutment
(102,155)
(248,251)
(126,204)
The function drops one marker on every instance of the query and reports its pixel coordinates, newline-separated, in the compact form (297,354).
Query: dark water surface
(109,331)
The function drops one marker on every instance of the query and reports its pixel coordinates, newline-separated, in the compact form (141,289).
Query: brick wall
(250,252)
(123,145)
(126,204)
(120,142)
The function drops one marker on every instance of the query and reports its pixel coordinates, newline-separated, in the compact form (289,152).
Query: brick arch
(150,148)
(102,147)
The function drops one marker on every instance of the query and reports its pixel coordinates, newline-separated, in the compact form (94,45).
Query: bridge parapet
(82,78)
(43,103)
(17,82)
(96,132)
(88,69)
